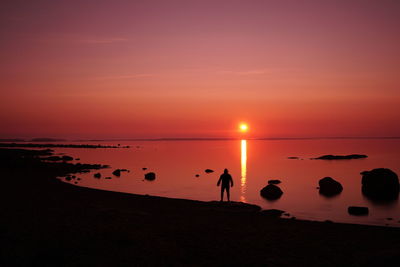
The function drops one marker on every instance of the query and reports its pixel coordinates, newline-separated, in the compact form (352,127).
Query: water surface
(252,163)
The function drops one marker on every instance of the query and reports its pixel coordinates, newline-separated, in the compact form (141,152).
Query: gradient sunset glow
(149,69)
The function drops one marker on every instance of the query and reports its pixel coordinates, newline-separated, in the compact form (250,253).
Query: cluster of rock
(377,184)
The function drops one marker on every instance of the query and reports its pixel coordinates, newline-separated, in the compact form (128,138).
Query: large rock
(329,187)
(271,192)
(380,184)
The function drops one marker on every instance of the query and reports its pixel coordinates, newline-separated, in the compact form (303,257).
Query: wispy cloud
(247,72)
(120,77)
(102,40)
(76,39)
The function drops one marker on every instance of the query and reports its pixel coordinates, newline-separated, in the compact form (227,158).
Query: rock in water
(380,184)
(274,181)
(357,210)
(97,175)
(117,172)
(271,192)
(339,157)
(208,170)
(329,187)
(150,176)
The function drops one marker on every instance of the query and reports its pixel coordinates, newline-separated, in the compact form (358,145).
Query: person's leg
(227,193)
(222,193)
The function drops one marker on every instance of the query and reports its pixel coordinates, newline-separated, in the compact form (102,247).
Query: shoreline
(49,222)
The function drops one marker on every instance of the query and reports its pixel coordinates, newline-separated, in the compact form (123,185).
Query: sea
(180,167)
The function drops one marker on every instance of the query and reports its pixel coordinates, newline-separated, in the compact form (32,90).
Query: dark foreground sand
(45,222)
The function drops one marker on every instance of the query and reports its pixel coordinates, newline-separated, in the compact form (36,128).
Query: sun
(243,127)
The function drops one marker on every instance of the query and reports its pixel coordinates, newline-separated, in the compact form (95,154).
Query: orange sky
(134,69)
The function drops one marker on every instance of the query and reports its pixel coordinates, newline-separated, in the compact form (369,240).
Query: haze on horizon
(148,69)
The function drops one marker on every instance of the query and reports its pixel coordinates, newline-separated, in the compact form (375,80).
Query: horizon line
(193,139)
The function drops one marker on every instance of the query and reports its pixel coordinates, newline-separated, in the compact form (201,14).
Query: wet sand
(46,222)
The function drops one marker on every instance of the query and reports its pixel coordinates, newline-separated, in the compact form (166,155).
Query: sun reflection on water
(243,150)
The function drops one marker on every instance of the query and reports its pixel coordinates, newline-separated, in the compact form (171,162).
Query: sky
(150,69)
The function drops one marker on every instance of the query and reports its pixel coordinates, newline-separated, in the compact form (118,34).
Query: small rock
(97,175)
(286,214)
(272,212)
(208,171)
(77,159)
(107,177)
(274,181)
(68,178)
(150,176)
(117,172)
(389,219)
(357,210)
(197,175)
(144,169)
(79,179)
(293,157)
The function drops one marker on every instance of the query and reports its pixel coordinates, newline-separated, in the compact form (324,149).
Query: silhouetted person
(227,182)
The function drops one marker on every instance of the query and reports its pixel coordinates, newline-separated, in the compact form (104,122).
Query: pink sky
(133,69)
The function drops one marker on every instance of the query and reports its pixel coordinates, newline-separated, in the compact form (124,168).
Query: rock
(208,170)
(77,159)
(273,212)
(150,176)
(78,179)
(197,175)
(67,158)
(274,181)
(357,210)
(380,184)
(389,219)
(329,187)
(68,178)
(338,157)
(117,172)
(293,157)
(271,192)
(144,169)
(97,175)
(107,178)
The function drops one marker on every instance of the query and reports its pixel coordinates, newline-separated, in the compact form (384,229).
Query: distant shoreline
(49,140)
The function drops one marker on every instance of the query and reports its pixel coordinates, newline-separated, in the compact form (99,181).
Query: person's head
(226,171)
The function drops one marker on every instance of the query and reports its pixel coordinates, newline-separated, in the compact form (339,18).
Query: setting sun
(243,127)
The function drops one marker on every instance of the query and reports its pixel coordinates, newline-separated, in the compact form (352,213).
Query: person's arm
(219,181)
(231,181)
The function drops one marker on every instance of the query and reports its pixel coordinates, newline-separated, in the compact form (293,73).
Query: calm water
(252,163)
